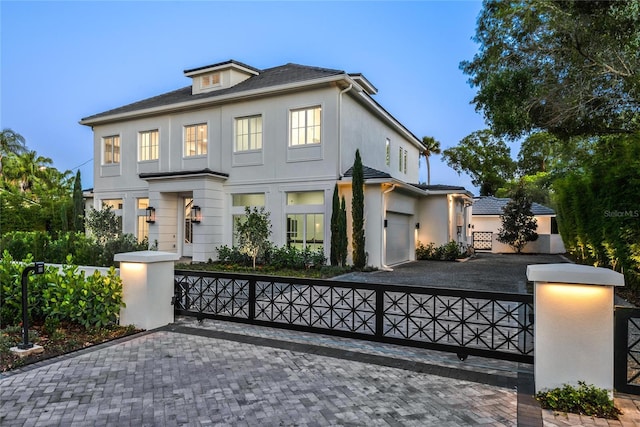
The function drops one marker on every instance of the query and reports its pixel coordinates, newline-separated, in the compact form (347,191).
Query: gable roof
(489,205)
(283,74)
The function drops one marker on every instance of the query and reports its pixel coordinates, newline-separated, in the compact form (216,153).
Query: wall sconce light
(417,226)
(196,214)
(459,229)
(385,223)
(151,215)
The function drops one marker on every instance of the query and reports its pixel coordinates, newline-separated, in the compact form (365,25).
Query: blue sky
(62,61)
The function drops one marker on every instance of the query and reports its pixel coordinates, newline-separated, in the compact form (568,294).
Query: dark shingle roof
(289,73)
(490,205)
(231,61)
(439,187)
(369,173)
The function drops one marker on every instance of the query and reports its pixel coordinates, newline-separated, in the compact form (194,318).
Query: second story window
(404,160)
(305,126)
(400,159)
(195,140)
(111,153)
(248,133)
(148,145)
(388,151)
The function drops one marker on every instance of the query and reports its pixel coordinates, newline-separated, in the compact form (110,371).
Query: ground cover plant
(584,400)
(67,309)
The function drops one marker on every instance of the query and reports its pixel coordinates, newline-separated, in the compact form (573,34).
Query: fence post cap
(146,256)
(574,273)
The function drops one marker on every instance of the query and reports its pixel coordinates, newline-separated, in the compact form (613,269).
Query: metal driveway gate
(482,240)
(497,325)
(627,350)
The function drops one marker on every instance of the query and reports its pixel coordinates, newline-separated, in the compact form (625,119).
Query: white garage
(398,238)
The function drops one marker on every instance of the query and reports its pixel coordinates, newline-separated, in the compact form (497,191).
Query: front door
(187,230)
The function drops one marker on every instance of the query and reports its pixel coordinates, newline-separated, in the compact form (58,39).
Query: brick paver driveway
(485,271)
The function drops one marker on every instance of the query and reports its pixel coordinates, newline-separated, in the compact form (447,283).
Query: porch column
(573,325)
(147,288)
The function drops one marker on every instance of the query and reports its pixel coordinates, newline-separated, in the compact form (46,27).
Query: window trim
(184,140)
(149,148)
(113,138)
(306,127)
(235,133)
(388,151)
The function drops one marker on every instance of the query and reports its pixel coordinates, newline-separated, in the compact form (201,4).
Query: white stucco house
(486,222)
(180,166)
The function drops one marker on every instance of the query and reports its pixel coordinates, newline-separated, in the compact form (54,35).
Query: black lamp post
(37,268)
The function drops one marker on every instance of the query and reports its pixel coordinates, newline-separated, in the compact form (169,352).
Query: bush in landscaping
(447,252)
(60,296)
(276,257)
(584,400)
(86,250)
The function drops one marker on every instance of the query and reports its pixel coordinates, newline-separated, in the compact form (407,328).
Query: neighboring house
(181,167)
(486,222)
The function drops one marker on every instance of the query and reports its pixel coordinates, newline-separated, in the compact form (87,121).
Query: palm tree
(26,169)
(11,143)
(431,146)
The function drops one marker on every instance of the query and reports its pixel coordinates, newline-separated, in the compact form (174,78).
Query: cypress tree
(343,241)
(357,213)
(335,219)
(78,204)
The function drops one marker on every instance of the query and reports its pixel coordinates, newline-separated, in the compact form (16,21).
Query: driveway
(485,271)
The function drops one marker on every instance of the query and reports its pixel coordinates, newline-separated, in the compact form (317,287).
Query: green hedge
(85,249)
(59,296)
(277,257)
(447,252)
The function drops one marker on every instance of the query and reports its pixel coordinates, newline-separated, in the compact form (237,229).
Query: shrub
(447,252)
(60,296)
(276,257)
(584,400)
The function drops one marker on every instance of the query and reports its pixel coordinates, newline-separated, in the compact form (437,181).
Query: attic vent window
(210,80)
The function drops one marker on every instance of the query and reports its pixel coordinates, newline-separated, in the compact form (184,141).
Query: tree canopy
(568,67)
(485,158)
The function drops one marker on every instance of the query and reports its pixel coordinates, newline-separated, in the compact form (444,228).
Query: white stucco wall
(546,243)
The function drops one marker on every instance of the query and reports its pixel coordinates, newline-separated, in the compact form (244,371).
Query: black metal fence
(627,350)
(497,325)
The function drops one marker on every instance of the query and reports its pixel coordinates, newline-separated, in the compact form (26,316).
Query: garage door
(398,238)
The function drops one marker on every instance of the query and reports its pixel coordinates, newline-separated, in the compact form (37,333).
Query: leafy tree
(357,213)
(431,146)
(485,158)
(536,153)
(335,220)
(78,204)
(253,233)
(518,223)
(343,241)
(10,143)
(568,67)
(537,187)
(104,225)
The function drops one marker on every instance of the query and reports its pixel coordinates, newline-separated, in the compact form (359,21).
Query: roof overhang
(150,176)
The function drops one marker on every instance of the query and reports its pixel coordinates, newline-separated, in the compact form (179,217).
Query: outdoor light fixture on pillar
(581,299)
(417,226)
(26,348)
(196,215)
(151,215)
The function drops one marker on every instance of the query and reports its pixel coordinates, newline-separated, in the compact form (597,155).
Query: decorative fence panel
(627,350)
(497,325)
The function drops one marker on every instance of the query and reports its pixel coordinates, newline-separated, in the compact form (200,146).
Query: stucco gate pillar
(573,327)
(147,288)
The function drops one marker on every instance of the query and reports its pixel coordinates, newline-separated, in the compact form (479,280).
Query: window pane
(143,228)
(295,230)
(143,203)
(254,199)
(305,198)
(112,203)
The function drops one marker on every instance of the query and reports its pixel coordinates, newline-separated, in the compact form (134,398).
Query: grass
(65,338)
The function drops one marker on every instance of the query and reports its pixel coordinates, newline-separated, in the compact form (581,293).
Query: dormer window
(210,80)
